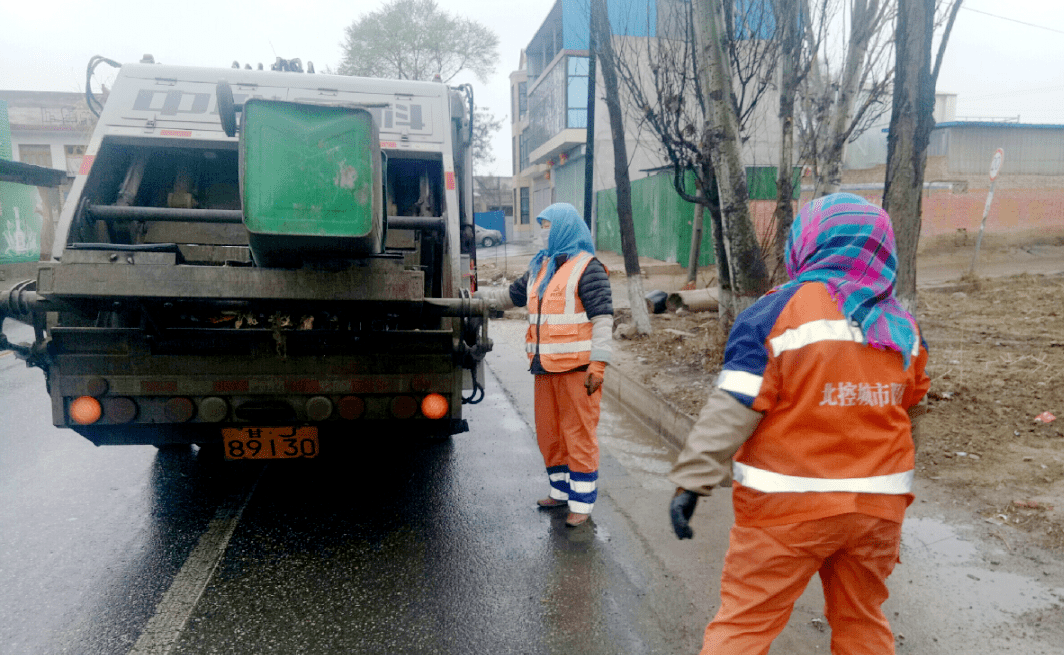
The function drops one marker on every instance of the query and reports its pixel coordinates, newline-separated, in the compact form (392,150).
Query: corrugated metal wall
(1029,149)
(663,221)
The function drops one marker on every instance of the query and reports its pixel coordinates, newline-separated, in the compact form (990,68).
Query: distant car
(488,238)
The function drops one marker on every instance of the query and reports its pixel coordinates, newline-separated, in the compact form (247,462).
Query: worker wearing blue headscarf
(568,342)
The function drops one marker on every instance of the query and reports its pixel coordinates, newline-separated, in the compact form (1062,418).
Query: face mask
(544,236)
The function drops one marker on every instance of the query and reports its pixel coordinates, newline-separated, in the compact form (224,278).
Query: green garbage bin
(310,182)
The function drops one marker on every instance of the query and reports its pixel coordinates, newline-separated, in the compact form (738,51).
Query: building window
(522,151)
(74,155)
(524,206)
(522,100)
(37,155)
(577,92)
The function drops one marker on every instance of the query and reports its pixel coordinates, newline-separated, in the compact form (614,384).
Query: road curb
(653,411)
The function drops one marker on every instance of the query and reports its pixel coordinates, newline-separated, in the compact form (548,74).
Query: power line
(1043,27)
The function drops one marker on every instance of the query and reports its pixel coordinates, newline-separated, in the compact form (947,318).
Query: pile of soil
(997,376)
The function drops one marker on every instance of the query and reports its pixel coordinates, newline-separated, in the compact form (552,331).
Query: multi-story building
(49,129)
(549,94)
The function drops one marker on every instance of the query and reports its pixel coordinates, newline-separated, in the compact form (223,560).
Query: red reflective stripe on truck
(86,164)
(450,180)
(175,133)
(302,386)
(230,386)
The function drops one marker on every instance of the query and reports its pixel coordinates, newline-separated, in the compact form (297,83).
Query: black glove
(681,509)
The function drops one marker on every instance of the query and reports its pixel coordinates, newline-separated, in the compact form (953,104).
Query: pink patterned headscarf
(847,243)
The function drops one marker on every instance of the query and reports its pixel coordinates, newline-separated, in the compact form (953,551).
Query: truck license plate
(270,443)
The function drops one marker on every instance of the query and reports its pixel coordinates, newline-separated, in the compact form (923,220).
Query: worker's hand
(681,509)
(592,383)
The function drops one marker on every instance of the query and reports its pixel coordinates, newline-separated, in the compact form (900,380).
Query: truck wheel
(487,242)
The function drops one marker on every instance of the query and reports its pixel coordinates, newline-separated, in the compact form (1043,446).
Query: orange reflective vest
(559,330)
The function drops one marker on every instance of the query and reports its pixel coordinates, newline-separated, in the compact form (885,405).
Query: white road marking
(174,610)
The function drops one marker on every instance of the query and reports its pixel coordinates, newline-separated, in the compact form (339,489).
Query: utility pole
(589,148)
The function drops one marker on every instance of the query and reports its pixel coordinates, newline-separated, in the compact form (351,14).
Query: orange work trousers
(767,569)
(566,425)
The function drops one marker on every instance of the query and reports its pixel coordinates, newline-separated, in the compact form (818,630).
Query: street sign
(995,166)
(995,163)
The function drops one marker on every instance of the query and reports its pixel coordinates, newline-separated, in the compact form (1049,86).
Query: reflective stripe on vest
(740,382)
(822,330)
(769,482)
(573,347)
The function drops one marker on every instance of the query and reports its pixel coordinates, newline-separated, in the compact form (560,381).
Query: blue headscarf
(568,235)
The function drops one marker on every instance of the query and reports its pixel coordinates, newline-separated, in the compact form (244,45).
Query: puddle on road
(992,596)
(642,453)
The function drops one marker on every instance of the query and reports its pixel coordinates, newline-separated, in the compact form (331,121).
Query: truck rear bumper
(330,434)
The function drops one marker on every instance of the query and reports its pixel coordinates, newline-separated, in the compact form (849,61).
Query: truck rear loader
(263,262)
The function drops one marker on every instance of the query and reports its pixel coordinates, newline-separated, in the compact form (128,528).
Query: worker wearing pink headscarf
(811,419)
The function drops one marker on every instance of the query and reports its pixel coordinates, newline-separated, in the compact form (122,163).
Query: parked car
(488,238)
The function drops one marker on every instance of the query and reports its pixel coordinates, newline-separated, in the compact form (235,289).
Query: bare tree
(795,62)
(607,65)
(849,82)
(911,122)
(749,279)
(661,77)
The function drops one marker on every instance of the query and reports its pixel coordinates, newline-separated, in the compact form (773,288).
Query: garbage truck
(262,263)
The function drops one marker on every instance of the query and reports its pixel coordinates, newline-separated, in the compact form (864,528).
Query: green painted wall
(20,209)
(663,221)
(761,182)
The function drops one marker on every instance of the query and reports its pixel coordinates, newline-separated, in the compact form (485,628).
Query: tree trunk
(749,278)
(864,24)
(696,248)
(783,216)
(911,121)
(600,25)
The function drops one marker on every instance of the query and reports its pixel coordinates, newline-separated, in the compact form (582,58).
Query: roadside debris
(1045,417)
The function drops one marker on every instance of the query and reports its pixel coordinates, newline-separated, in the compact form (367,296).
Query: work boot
(551,503)
(575,519)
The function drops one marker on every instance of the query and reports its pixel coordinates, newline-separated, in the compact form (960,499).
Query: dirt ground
(996,342)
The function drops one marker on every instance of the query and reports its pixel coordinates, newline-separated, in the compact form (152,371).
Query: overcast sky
(998,65)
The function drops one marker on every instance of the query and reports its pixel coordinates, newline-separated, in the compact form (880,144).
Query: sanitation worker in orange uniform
(570,330)
(811,418)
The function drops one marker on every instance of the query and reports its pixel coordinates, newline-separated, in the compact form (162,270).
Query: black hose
(478,388)
(95,106)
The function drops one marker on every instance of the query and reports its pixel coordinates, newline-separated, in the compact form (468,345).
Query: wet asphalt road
(387,546)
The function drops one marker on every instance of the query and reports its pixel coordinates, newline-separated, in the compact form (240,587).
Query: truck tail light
(403,406)
(85,410)
(213,409)
(119,410)
(434,406)
(319,408)
(179,410)
(351,407)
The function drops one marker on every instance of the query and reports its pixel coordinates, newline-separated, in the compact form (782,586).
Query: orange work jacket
(559,330)
(835,437)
